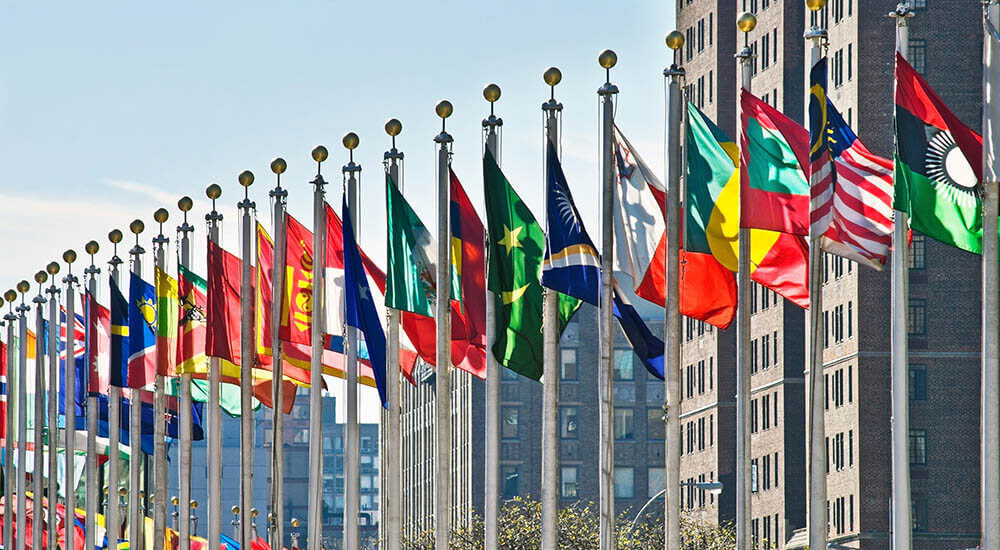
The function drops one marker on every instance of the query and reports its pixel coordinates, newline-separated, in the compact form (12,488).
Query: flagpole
(276,527)
(113,516)
(491,508)
(550,354)
(902,524)
(672,326)
(315,526)
(69,376)
(392,443)
(92,272)
(22,413)
(352,439)
(36,534)
(214,218)
(990,449)
(185,416)
(8,464)
(136,517)
(605,377)
(246,362)
(160,243)
(53,403)
(442,396)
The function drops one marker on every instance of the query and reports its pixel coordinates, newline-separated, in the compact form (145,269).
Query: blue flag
(141,369)
(79,365)
(572,265)
(146,410)
(119,336)
(646,346)
(360,308)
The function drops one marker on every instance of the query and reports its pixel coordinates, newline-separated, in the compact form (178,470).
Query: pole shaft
(352,442)
(817,422)
(39,416)
(70,403)
(113,515)
(184,462)
(605,377)
(550,386)
(493,380)
(316,364)
(159,425)
(442,408)
(393,443)
(22,426)
(136,517)
(8,449)
(743,361)
(53,403)
(214,421)
(278,443)
(671,329)
(246,378)
(93,490)
(990,448)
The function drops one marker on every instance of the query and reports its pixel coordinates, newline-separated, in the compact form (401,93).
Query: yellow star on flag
(510,238)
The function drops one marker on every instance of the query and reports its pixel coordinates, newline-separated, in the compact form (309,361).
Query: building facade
(943,315)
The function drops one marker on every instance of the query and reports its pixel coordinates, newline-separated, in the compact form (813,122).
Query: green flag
(515,251)
(230,397)
(410,281)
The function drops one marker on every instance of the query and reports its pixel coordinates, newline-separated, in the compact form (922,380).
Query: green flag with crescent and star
(515,250)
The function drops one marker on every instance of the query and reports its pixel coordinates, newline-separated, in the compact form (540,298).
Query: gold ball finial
(175,501)
(122,492)
(246,178)
(746,22)
(41,277)
(675,40)
(136,227)
(491,92)
(608,59)
(319,153)
(92,247)
(185,204)
(295,522)
(115,236)
(213,191)
(278,165)
(815,5)
(254,512)
(444,108)
(194,504)
(161,215)
(52,268)
(235,510)
(351,141)
(10,296)
(552,76)
(23,287)
(393,127)
(69,256)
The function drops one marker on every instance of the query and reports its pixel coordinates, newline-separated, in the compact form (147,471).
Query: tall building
(943,315)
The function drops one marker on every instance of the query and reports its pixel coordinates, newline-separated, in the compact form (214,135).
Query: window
(753,475)
(775,343)
(919,514)
(767,472)
(774,50)
(918,253)
(850,448)
(701,377)
(918,383)
(568,488)
(850,383)
(765,408)
(656,478)
(753,416)
(850,70)
(511,481)
(624,423)
(623,364)
(765,49)
(509,429)
(916,318)
(918,447)
(917,4)
(656,428)
(776,476)
(624,483)
(711,430)
(710,92)
(701,35)
(826,329)
(776,409)
(765,348)
(753,356)
(568,423)
(850,319)
(567,364)
(918,55)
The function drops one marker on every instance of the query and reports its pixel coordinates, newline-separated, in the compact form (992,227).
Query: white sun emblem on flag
(950,171)
(566,212)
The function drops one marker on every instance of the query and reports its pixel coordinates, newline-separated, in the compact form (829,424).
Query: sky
(110,110)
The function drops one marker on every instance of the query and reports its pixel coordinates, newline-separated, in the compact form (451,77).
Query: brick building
(945,301)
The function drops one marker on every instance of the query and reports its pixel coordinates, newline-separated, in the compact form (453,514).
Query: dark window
(919,514)
(655,426)
(918,54)
(509,428)
(916,318)
(917,4)
(511,482)
(624,423)
(918,383)
(918,447)
(568,423)
(567,365)
(918,252)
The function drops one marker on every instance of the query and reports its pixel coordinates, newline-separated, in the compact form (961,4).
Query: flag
(119,336)
(224,309)
(779,261)
(3,392)
(141,369)
(822,176)
(938,165)
(645,344)
(360,309)
(774,191)
(707,289)
(98,346)
(468,322)
(297,304)
(167,307)
(79,362)
(515,253)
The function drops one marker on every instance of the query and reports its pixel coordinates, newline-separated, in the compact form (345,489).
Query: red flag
(296,305)
(4,387)
(468,319)
(98,345)
(224,273)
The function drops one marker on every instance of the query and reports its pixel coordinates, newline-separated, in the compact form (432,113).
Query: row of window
(569,485)
(762,534)
(694,326)
(622,362)
(764,473)
(835,329)
(696,378)
(696,90)
(762,411)
(695,430)
(761,298)
(692,497)
(762,350)
(767,54)
(569,424)
(835,387)
(843,515)
(698,36)
(840,451)
(839,62)
(835,266)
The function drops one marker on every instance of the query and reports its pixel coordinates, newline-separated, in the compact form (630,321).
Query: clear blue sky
(109,110)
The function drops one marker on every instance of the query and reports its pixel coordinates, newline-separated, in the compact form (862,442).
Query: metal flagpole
(392,440)
(672,327)
(442,313)
(53,403)
(69,376)
(901,505)
(93,490)
(246,361)
(39,413)
(22,415)
(319,154)
(352,432)
(817,422)
(550,355)
(8,450)
(746,23)
(136,516)
(605,377)
(214,218)
(276,527)
(160,501)
(492,125)
(184,463)
(991,281)
(113,516)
